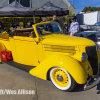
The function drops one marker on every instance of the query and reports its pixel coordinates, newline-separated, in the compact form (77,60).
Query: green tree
(91,9)
(85,9)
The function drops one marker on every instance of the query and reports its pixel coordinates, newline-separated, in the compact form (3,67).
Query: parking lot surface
(15,79)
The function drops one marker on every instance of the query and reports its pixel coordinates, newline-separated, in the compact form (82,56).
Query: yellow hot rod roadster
(45,52)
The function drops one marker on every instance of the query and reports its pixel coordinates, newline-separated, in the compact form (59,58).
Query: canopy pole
(34,19)
(68,21)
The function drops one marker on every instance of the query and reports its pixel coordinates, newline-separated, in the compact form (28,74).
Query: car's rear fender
(2,48)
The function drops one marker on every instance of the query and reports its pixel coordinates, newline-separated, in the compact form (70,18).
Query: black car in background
(92,35)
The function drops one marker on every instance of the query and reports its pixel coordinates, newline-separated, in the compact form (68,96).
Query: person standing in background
(16,25)
(43,20)
(54,18)
(29,24)
(65,29)
(74,27)
(1,26)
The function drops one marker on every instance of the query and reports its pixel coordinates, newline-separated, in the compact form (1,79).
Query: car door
(26,50)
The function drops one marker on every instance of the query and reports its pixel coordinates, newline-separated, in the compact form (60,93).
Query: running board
(25,68)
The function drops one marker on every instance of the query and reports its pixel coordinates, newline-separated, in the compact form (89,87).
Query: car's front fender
(69,64)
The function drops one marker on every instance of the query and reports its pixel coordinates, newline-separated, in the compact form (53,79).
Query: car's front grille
(92,58)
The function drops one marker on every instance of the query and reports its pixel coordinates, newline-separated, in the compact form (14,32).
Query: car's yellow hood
(60,39)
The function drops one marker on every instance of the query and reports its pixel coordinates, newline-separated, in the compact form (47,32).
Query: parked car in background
(92,35)
(97,24)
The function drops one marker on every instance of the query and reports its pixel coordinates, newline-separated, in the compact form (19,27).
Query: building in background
(34,4)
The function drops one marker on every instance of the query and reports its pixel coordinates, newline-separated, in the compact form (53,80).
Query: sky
(81,4)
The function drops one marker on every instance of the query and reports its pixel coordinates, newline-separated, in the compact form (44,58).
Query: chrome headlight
(84,57)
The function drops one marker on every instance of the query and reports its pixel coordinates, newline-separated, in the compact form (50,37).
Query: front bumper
(91,83)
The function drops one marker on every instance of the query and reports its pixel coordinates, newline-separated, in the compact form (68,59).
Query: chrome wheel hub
(59,78)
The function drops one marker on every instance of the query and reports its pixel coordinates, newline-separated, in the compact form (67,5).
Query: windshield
(48,28)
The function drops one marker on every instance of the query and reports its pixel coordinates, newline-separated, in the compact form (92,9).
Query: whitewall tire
(62,79)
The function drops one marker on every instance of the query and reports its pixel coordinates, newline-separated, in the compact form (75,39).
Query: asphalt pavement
(15,79)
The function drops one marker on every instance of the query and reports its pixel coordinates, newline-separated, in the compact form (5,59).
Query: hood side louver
(59,48)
